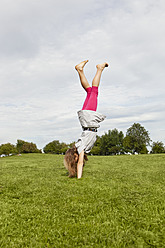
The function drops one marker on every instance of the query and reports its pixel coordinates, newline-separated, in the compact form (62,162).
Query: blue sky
(42,41)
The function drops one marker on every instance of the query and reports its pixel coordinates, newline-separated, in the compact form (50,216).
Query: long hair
(71,160)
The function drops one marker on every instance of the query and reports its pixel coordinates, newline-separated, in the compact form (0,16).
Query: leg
(83,81)
(88,90)
(100,68)
(92,100)
(80,71)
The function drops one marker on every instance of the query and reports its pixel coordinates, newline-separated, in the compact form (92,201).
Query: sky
(41,41)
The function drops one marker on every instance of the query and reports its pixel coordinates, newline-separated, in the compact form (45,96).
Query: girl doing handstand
(89,120)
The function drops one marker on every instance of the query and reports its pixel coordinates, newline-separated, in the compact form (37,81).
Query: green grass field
(119,202)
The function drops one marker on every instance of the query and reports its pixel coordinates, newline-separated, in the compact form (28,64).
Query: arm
(80,164)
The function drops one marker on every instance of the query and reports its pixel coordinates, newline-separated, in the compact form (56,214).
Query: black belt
(93,129)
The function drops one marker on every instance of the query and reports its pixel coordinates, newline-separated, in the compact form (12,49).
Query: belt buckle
(90,129)
(93,129)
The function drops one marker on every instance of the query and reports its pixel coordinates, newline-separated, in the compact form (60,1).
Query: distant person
(89,120)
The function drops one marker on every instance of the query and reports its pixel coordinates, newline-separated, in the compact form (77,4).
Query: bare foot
(102,66)
(81,65)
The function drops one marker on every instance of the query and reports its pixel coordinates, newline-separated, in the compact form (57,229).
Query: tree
(110,143)
(96,150)
(137,138)
(19,145)
(30,148)
(158,147)
(64,148)
(55,147)
(114,150)
(7,149)
(127,144)
(27,147)
(143,149)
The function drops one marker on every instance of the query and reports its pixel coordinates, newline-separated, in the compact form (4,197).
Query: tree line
(113,142)
(21,147)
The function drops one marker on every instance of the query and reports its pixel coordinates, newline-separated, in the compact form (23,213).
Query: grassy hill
(119,202)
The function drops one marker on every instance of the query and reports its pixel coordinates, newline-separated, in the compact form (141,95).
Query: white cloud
(40,43)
